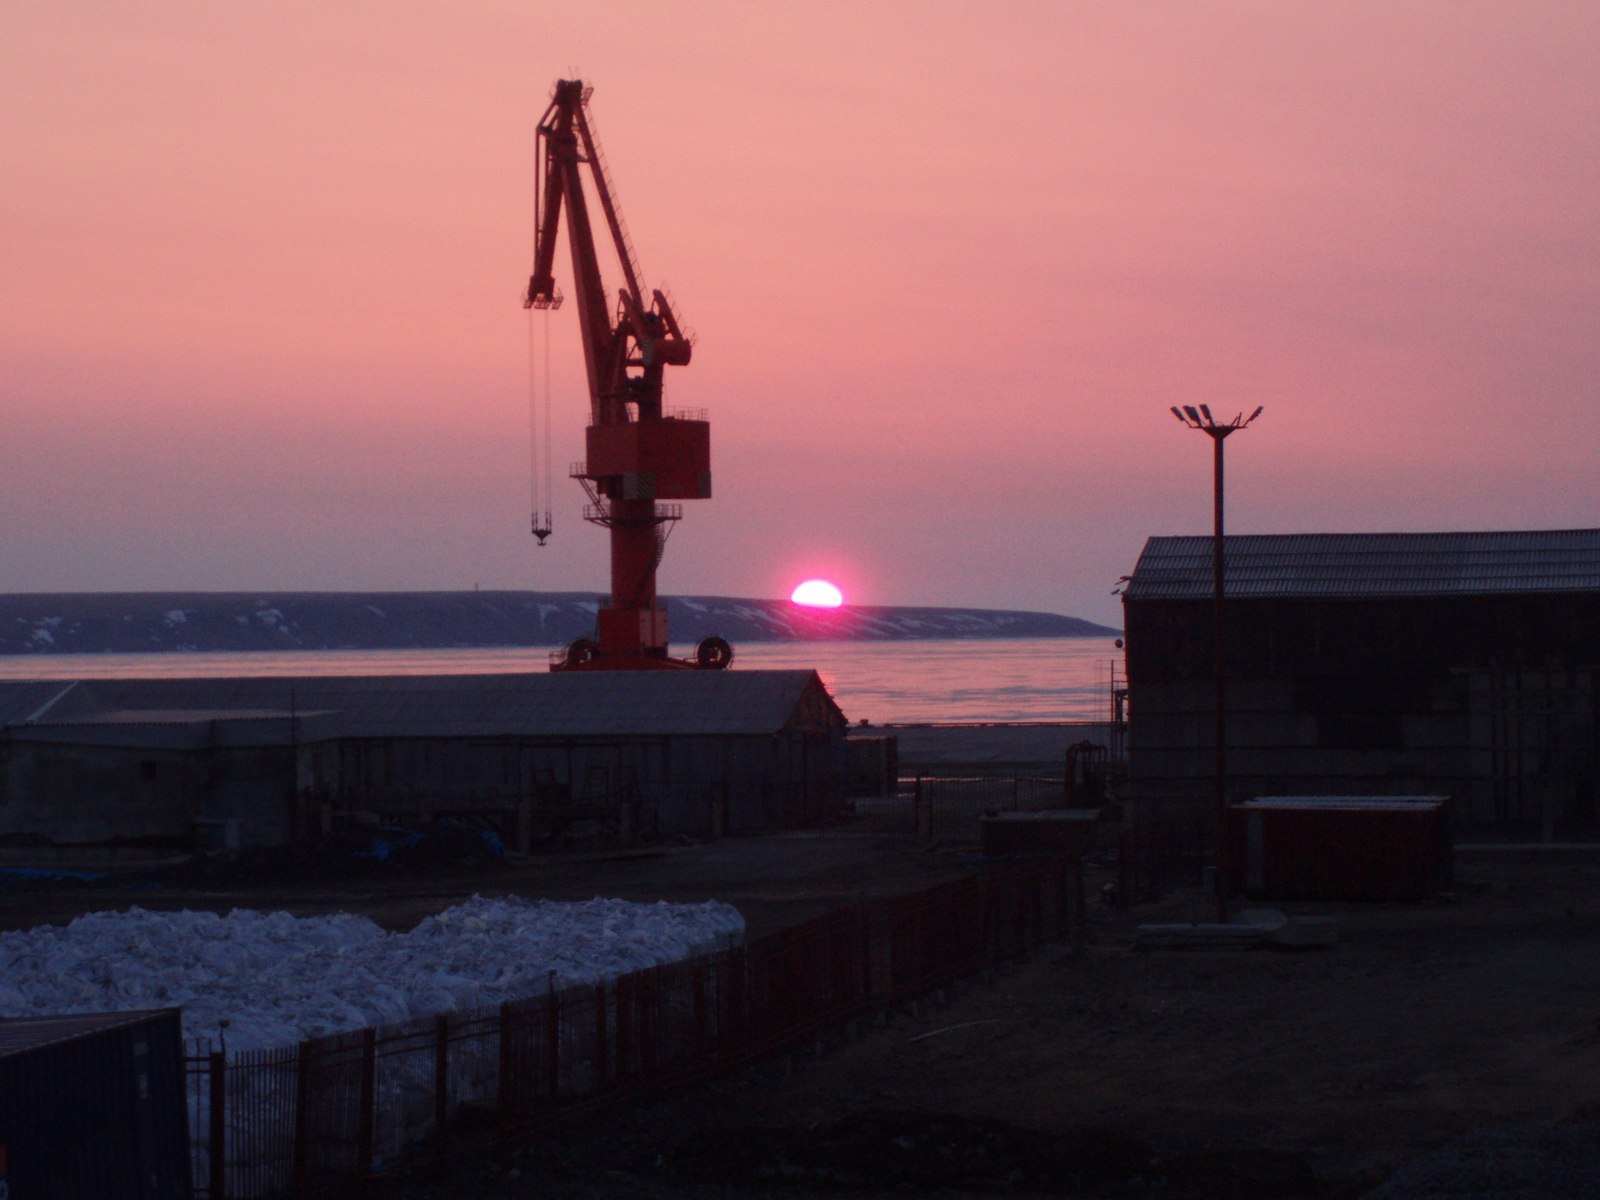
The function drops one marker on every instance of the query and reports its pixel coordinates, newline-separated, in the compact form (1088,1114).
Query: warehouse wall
(691,785)
(88,794)
(1489,700)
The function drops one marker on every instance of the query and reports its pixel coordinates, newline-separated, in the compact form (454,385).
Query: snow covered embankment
(270,979)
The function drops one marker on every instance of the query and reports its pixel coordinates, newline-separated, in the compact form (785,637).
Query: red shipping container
(1339,847)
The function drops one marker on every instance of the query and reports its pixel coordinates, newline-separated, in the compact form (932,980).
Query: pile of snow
(270,979)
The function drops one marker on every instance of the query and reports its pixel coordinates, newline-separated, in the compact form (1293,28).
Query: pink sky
(949,264)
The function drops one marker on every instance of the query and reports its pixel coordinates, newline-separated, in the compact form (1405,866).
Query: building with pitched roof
(259,761)
(1392,663)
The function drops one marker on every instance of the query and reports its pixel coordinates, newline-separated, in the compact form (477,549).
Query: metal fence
(949,808)
(322,1117)
(1160,848)
(1157,845)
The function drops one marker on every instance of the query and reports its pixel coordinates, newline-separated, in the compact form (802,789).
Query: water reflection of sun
(817,593)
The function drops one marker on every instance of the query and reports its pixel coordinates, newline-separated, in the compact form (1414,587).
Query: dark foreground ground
(1469,1022)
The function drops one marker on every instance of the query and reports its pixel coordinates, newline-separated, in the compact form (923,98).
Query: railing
(949,808)
(323,1117)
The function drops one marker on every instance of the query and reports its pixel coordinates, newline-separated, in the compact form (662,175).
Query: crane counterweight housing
(638,454)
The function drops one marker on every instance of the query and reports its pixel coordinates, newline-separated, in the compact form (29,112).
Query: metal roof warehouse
(1384,663)
(632,752)
(1371,565)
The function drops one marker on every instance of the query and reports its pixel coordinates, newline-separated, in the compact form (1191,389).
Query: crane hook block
(542,293)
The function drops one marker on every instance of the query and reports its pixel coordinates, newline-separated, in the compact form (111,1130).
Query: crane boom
(638,454)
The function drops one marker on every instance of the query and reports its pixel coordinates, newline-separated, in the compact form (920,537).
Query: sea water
(881,682)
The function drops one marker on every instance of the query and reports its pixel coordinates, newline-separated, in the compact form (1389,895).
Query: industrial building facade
(1459,664)
(262,761)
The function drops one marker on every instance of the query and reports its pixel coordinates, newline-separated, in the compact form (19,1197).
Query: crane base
(712,654)
(561,661)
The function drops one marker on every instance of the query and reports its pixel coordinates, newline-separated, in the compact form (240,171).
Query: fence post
(505,1095)
(1079,900)
(1034,918)
(441,1081)
(698,1022)
(880,951)
(1125,851)
(863,954)
(624,988)
(601,1055)
(647,1029)
(552,1038)
(737,1021)
(302,1117)
(218,1133)
(369,1090)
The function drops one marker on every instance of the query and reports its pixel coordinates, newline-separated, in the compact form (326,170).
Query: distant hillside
(145,622)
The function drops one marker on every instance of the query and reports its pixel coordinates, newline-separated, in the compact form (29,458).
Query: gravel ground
(1510,1162)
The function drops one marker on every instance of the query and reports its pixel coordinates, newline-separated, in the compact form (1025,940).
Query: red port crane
(639,455)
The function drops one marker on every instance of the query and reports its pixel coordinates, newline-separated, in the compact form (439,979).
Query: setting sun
(817,593)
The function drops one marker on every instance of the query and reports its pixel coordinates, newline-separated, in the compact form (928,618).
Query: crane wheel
(713,654)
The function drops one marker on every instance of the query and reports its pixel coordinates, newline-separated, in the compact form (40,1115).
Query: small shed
(1462,664)
(1339,847)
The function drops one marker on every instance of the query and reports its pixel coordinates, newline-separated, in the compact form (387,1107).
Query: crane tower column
(639,457)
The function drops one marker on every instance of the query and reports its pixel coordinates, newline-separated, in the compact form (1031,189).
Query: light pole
(1218,432)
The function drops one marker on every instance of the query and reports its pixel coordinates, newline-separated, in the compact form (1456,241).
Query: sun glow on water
(817,593)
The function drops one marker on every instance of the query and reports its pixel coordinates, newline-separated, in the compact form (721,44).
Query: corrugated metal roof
(177,716)
(1346,802)
(24,699)
(554,704)
(1370,565)
(18,1035)
(183,729)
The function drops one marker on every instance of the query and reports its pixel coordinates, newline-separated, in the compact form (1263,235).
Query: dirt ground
(1122,1071)
(1107,1071)
(773,881)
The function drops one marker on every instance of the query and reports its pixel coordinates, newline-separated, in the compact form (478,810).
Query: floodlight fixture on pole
(1202,419)
(1218,431)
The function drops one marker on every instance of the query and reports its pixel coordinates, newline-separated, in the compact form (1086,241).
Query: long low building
(1461,664)
(261,761)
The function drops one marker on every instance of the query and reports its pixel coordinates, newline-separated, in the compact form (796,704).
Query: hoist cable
(533,424)
(548,473)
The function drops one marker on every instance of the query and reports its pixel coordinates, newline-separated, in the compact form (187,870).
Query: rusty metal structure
(641,457)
